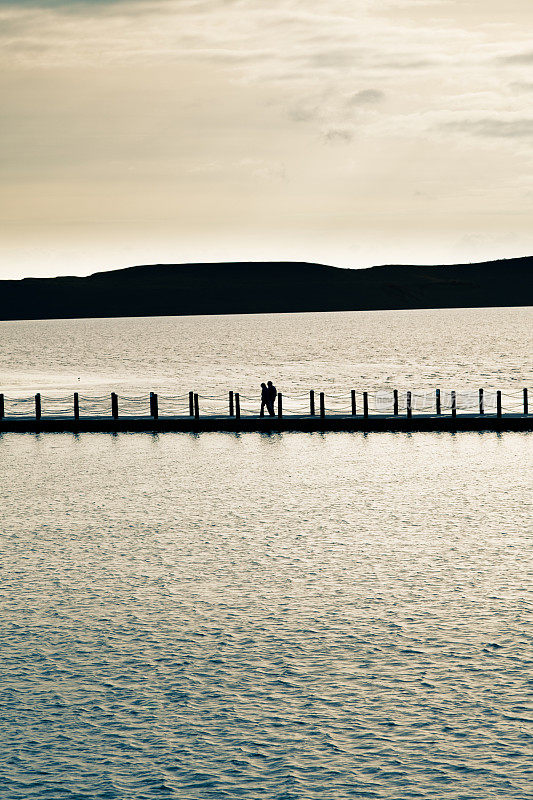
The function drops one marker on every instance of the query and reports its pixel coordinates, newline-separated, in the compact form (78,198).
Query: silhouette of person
(264,399)
(272,394)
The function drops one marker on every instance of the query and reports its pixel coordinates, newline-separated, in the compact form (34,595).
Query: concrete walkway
(292,422)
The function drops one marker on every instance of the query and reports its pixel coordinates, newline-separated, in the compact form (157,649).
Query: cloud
(176,109)
(409,63)
(497,128)
(303,114)
(366,97)
(311,59)
(519,58)
(522,86)
(77,5)
(342,135)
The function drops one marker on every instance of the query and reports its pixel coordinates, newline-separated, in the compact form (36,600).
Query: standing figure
(272,394)
(264,399)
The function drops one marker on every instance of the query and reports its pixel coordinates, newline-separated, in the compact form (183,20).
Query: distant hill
(255,287)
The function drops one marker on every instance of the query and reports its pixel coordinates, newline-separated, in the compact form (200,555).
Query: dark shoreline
(267,287)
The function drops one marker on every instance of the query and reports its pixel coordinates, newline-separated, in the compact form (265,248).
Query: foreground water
(289,616)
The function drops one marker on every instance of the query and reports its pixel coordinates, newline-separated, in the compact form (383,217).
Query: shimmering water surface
(285,616)
(454,348)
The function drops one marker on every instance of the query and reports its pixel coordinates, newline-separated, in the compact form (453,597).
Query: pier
(382,410)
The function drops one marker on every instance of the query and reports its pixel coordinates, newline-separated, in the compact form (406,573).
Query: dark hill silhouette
(253,287)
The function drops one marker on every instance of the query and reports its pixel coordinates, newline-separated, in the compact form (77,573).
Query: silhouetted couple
(268,395)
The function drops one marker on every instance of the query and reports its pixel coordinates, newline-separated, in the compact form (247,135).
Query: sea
(286,616)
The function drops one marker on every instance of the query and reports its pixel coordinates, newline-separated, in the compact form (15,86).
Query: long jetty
(316,418)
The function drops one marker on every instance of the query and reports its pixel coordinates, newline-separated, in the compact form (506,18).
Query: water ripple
(328,617)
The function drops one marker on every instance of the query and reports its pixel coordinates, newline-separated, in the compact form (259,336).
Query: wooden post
(312,403)
(191,404)
(454,404)
(196,407)
(481,402)
(2,406)
(354,406)
(437,400)
(395,403)
(237,405)
(498,403)
(409,405)
(526,409)
(37,406)
(365,404)
(76,405)
(280,405)
(154,405)
(231,407)
(322,405)
(114,405)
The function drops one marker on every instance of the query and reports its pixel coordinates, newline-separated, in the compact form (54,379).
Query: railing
(380,402)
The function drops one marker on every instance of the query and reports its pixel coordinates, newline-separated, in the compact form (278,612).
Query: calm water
(403,349)
(287,616)
(460,349)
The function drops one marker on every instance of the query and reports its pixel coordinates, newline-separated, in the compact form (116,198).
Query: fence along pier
(382,410)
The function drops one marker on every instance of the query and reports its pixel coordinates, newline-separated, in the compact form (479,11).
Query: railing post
(395,411)
(437,400)
(365,404)
(354,406)
(322,405)
(280,405)
(526,408)
(481,402)
(76,405)
(191,404)
(237,405)
(154,405)
(231,407)
(454,404)
(409,405)
(37,406)
(114,405)
(498,403)
(2,406)
(312,402)
(196,407)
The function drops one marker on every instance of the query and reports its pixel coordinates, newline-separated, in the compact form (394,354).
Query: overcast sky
(350,132)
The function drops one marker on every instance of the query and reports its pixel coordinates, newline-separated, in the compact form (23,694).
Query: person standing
(264,400)
(272,394)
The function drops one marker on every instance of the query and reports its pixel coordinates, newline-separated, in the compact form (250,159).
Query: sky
(347,132)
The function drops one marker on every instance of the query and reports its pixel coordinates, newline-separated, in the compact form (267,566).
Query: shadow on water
(271,435)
